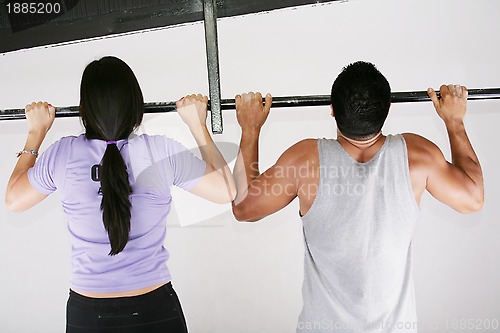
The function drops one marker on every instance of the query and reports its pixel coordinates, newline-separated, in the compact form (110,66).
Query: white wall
(247,277)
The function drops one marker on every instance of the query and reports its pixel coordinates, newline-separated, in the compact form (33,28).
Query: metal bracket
(212,46)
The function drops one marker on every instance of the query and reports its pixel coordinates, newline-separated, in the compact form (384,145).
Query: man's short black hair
(361,97)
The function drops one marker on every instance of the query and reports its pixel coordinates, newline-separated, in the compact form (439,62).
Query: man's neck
(361,150)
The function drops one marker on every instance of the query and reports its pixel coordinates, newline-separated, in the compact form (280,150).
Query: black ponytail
(111,106)
(115,204)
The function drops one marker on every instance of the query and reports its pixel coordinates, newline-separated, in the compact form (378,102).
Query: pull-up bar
(278,102)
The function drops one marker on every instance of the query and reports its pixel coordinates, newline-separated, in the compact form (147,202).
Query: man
(359,199)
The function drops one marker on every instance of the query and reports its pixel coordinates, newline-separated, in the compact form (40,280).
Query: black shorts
(158,311)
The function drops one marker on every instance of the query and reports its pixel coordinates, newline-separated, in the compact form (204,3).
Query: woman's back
(154,164)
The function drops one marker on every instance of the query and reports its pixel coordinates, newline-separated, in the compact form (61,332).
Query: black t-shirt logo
(95,172)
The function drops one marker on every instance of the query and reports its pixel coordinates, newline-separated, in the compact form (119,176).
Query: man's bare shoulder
(301,152)
(305,145)
(423,154)
(417,144)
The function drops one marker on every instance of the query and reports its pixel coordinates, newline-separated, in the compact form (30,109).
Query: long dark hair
(111,107)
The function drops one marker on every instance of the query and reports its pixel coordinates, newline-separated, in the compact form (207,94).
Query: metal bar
(210,19)
(278,102)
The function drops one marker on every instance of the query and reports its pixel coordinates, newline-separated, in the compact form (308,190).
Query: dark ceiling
(82,19)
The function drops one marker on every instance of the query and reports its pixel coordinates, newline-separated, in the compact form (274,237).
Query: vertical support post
(210,18)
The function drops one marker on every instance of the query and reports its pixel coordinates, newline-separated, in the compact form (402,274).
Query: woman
(115,189)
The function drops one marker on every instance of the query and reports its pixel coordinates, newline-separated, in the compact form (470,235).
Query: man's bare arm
(280,184)
(252,115)
(459,184)
(260,195)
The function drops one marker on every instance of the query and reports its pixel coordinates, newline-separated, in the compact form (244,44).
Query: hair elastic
(111,142)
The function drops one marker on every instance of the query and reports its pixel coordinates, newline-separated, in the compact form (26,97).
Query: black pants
(158,311)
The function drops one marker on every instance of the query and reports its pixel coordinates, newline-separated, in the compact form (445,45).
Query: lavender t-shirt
(154,164)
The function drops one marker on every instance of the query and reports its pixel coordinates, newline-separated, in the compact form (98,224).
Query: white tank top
(358,232)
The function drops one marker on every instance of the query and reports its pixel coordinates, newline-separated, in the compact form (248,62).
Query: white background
(242,278)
